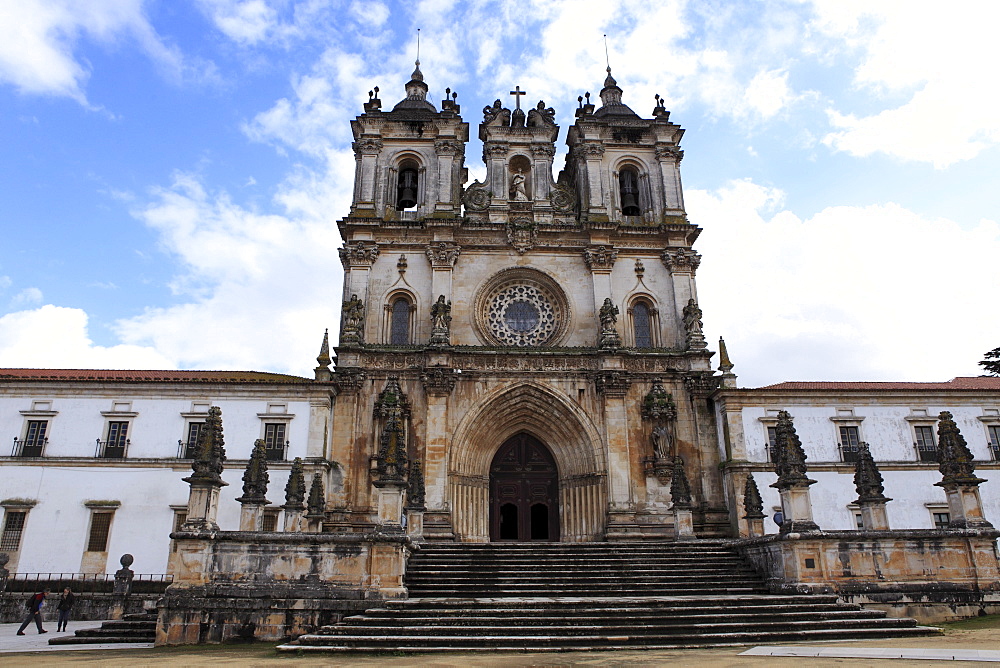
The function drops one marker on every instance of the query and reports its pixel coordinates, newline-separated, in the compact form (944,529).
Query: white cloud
(259,289)
(26,297)
(246,21)
(885,292)
(38,40)
(941,62)
(369,13)
(5,282)
(56,337)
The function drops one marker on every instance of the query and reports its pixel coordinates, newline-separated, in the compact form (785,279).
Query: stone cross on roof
(517,93)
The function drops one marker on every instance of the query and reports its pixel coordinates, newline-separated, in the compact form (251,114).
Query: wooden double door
(524,492)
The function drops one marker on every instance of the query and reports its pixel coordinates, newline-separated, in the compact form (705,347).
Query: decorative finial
(606,58)
(418,47)
(725,366)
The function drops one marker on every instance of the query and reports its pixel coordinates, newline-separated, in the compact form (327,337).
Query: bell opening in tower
(628,181)
(406,192)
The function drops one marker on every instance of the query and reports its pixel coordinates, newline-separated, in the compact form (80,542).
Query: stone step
(529,618)
(578,576)
(582,592)
(134,628)
(562,643)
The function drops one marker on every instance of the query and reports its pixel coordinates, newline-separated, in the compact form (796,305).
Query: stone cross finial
(517,93)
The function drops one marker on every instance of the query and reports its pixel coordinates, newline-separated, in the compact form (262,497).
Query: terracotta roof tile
(960,383)
(149,376)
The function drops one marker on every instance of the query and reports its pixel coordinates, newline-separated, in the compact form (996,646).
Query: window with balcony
(772,444)
(994,444)
(33,443)
(116,441)
(188,446)
(274,441)
(850,441)
(925,444)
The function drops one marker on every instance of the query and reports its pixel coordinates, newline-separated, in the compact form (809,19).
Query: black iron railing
(28,447)
(95,583)
(276,452)
(848,452)
(116,449)
(926,452)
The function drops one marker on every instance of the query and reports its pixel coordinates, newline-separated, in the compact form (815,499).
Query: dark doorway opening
(524,492)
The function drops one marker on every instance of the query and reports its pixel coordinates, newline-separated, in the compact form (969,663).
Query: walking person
(35,604)
(65,607)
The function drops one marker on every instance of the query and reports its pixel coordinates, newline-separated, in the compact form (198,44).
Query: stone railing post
(206,481)
(868,483)
(792,485)
(958,477)
(123,587)
(753,506)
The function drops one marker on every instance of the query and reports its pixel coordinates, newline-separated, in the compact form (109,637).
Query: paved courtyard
(970,643)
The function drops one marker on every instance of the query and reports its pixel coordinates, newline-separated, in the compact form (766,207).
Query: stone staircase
(591,596)
(132,628)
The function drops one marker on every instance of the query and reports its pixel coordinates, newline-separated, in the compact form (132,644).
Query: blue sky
(171,172)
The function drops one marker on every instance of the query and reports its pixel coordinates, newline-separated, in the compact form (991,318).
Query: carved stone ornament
(443,254)
(449,147)
(391,460)
(495,150)
(295,488)
(593,150)
(522,234)
(680,488)
(438,380)
(367,146)
(658,404)
(391,401)
(477,197)
(541,116)
(316,506)
(608,316)
(349,381)
(352,329)
(612,383)
(753,505)
(600,257)
(701,384)
(495,114)
(255,477)
(693,324)
(681,260)
(563,198)
(211,452)
(867,478)
(415,494)
(359,254)
(790,458)
(441,322)
(954,457)
(543,149)
(669,153)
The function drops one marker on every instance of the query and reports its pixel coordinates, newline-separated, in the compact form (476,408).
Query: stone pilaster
(438,382)
(613,386)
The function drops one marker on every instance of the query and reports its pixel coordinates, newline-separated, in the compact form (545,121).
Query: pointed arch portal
(524,491)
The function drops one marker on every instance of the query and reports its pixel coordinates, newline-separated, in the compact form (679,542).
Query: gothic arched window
(642,325)
(628,189)
(399,321)
(407,185)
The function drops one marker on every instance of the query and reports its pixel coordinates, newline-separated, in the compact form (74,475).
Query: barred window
(399,331)
(100,529)
(13,527)
(641,325)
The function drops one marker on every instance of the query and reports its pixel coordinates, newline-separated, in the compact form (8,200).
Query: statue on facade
(495,114)
(441,322)
(518,193)
(541,116)
(354,317)
(663,441)
(609,316)
(693,325)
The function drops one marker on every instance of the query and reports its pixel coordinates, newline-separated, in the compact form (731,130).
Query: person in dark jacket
(65,607)
(34,612)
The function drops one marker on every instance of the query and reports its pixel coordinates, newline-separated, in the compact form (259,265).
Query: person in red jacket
(35,604)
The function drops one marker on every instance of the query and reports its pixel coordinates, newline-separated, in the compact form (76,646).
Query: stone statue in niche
(441,322)
(518,193)
(663,441)
(541,116)
(609,316)
(496,114)
(693,325)
(354,317)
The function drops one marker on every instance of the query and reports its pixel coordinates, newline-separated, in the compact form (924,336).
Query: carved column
(443,255)
(613,387)
(438,384)
(447,150)
(366,152)
(682,264)
(357,258)
(669,159)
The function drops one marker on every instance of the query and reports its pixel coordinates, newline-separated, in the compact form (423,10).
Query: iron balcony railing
(848,452)
(95,583)
(276,452)
(926,452)
(186,449)
(117,449)
(28,447)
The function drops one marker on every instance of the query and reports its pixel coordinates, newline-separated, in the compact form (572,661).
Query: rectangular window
(13,527)
(926,449)
(772,443)
(859,522)
(34,439)
(117,441)
(191,443)
(994,431)
(180,517)
(849,440)
(941,520)
(100,529)
(270,520)
(274,440)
